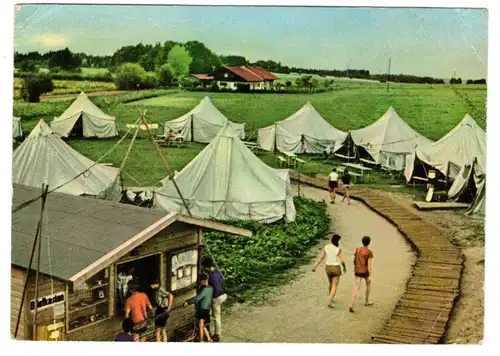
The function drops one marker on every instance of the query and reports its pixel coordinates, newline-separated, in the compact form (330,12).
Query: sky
(426,42)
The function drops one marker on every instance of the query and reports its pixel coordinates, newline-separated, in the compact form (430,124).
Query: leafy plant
(36,85)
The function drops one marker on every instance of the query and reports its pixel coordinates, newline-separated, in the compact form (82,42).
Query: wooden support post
(40,223)
(143,119)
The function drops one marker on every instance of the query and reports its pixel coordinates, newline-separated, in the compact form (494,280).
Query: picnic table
(253,146)
(361,169)
(290,157)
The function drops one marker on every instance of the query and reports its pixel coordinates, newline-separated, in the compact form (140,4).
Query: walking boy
(216,281)
(333,183)
(363,257)
(203,301)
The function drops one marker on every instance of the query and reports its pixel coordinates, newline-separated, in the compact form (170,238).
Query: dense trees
(204,60)
(456,81)
(65,60)
(198,57)
(130,76)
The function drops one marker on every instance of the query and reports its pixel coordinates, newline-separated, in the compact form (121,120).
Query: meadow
(69,86)
(431,110)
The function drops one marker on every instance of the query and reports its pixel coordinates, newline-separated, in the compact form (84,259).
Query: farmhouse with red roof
(244,78)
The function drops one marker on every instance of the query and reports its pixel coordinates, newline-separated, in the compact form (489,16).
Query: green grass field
(432,111)
(69,86)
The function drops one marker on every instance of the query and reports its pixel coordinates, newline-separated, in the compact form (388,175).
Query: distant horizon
(422,42)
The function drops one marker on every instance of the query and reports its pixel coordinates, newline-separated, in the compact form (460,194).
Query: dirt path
(298,313)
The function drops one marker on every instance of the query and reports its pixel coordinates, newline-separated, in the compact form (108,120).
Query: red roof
(202,76)
(261,72)
(252,74)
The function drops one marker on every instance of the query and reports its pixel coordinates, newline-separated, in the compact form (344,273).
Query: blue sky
(432,42)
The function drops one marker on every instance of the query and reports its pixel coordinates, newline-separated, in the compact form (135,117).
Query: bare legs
(346,195)
(333,192)
(333,288)
(204,332)
(161,334)
(356,291)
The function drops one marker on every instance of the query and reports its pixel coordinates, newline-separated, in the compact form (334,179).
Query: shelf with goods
(89,303)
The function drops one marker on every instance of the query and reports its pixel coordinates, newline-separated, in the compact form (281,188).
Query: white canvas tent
(43,157)
(286,135)
(452,152)
(17,130)
(226,181)
(388,140)
(202,123)
(470,187)
(84,118)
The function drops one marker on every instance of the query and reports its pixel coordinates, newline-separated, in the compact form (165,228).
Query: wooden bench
(344,156)
(367,161)
(299,162)
(282,161)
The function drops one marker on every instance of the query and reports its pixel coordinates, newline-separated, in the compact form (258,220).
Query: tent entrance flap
(77,130)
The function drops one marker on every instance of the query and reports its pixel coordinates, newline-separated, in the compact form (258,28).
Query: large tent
(387,141)
(226,181)
(452,152)
(43,157)
(470,187)
(84,118)
(202,123)
(17,130)
(286,135)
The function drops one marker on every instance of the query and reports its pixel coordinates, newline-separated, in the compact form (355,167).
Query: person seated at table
(303,144)
(346,184)
(170,135)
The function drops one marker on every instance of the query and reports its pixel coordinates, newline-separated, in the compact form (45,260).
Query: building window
(183,269)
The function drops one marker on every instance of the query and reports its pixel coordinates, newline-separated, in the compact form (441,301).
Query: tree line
(192,57)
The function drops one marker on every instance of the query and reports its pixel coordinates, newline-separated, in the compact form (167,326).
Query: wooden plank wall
(181,322)
(17,277)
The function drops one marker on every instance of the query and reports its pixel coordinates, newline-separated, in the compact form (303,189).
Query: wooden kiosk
(85,243)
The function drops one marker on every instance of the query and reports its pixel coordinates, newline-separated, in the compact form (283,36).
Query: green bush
(36,85)
(273,249)
(165,75)
(149,81)
(130,76)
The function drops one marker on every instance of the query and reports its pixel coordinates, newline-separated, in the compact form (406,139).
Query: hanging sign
(47,301)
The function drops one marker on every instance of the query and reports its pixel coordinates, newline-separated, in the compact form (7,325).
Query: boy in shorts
(136,307)
(363,257)
(203,301)
(333,184)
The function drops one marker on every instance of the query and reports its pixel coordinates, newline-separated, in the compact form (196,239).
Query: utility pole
(388,73)
(348,66)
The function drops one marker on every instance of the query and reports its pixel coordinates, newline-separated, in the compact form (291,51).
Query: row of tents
(459,157)
(388,142)
(225,181)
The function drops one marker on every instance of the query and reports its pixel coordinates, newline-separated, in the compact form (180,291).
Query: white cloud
(51,41)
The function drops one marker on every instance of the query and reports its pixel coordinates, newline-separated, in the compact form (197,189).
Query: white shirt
(333,176)
(332,255)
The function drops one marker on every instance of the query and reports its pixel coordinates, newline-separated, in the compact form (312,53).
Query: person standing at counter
(136,308)
(164,304)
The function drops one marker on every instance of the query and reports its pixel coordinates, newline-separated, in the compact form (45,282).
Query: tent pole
(143,119)
(29,267)
(44,198)
(192,127)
